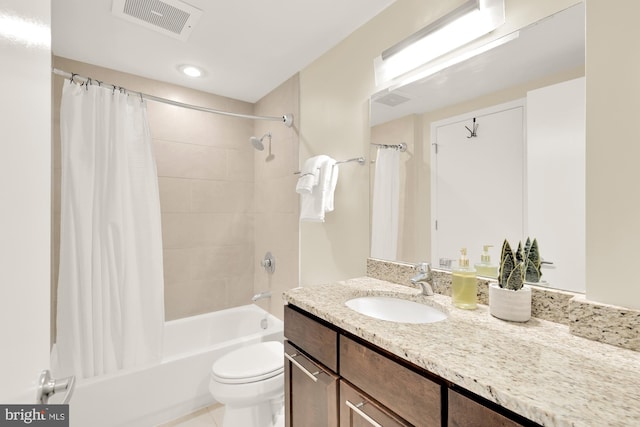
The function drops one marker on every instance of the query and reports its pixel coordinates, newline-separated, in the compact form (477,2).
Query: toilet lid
(252,363)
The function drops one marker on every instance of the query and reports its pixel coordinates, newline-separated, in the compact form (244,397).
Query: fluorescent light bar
(443,21)
(449,32)
(424,72)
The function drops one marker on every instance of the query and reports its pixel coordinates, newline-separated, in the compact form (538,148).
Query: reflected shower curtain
(110,286)
(385,206)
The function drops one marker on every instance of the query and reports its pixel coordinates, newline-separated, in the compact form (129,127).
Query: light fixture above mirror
(464,24)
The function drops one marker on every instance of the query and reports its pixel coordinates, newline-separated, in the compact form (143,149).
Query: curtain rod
(287,119)
(402,147)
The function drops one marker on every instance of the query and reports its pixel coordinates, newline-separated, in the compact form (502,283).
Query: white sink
(395,310)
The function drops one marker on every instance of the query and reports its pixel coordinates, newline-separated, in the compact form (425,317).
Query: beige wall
(334,92)
(613,175)
(208,196)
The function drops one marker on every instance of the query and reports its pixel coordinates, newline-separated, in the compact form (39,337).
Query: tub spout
(261,295)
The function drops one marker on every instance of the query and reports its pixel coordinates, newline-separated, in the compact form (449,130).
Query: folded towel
(313,205)
(310,174)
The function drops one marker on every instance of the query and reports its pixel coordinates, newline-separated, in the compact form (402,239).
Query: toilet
(249,381)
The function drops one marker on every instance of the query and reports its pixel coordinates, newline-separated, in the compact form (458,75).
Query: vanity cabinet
(311,364)
(335,379)
(311,392)
(357,409)
(465,412)
(408,394)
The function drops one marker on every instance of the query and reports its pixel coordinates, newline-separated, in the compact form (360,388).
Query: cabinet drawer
(464,412)
(358,410)
(311,392)
(317,340)
(405,392)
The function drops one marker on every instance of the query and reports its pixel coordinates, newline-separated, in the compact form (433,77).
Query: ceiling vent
(169,17)
(392,99)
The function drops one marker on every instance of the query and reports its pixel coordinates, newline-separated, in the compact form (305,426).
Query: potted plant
(510,298)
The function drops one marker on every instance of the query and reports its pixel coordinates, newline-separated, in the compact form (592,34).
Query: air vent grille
(392,99)
(170,17)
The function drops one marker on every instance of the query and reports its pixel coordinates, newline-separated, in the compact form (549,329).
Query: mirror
(546,53)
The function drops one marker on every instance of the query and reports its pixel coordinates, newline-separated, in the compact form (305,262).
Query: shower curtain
(386,201)
(110,312)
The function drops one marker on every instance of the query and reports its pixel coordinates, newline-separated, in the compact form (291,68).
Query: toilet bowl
(249,381)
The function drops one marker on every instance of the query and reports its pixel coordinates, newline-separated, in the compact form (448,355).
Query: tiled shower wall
(276,202)
(207,189)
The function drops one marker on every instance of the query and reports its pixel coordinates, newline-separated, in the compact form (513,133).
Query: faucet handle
(423,267)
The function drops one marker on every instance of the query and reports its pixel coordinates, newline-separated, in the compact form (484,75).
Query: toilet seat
(253,363)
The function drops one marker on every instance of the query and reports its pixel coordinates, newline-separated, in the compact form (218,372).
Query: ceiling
(246,47)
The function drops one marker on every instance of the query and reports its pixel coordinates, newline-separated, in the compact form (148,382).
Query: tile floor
(210,416)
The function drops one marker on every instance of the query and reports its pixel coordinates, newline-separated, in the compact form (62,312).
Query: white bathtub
(179,384)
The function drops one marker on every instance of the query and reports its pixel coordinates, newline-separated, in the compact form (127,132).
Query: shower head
(257,142)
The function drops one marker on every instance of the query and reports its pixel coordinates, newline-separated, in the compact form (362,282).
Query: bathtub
(179,384)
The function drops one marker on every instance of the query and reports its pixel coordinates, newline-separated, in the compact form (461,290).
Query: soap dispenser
(484,267)
(464,286)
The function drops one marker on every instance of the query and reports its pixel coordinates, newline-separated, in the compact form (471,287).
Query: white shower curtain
(386,201)
(110,287)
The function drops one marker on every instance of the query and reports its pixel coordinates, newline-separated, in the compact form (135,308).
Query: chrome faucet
(424,279)
(261,295)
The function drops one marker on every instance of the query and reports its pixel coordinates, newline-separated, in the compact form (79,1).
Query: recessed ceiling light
(191,71)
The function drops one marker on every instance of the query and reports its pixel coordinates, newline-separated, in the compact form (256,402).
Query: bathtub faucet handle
(268,263)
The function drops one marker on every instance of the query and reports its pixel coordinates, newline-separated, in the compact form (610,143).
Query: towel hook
(473,133)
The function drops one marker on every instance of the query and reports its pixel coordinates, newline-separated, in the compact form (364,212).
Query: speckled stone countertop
(536,369)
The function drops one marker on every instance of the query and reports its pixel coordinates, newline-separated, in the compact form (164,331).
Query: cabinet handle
(302,368)
(357,410)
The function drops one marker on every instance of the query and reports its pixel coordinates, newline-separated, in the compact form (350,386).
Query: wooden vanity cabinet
(334,379)
(410,395)
(311,392)
(311,363)
(466,412)
(357,409)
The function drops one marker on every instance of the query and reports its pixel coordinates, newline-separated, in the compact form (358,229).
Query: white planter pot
(507,304)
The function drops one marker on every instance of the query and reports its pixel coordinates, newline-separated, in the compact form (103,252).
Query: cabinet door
(410,395)
(464,412)
(311,392)
(359,410)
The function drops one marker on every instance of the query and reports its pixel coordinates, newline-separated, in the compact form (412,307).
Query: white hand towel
(310,174)
(314,205)
(331,190)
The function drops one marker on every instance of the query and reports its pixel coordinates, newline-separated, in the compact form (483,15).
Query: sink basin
(395,310)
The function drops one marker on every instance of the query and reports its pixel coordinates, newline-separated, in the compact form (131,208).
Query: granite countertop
(536,369)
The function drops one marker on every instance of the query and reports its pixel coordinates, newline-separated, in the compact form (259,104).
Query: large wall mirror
(535,78)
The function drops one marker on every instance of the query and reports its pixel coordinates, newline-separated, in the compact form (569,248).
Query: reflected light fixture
(471,20)
(191,71)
